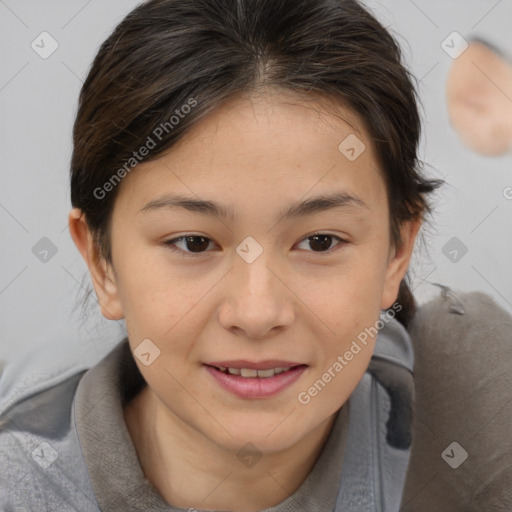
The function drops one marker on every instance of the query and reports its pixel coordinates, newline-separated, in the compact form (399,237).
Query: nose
(256,300)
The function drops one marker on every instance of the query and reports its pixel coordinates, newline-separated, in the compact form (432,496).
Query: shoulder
(461,454)
(38,441)
(36,369)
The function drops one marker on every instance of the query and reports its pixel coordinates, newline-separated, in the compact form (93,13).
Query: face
(255,244)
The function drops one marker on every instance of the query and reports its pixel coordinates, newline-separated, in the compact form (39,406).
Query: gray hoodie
(64,445)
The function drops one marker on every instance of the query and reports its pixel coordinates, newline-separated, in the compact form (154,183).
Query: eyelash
(188,254)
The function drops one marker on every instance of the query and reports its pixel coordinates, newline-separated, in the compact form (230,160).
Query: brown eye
(196,243)
(189,244)
(321,242)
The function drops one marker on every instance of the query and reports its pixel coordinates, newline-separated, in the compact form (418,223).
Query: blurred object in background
(479,98)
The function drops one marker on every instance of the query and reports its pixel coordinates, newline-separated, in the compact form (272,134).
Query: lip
(256,387)
(262,365)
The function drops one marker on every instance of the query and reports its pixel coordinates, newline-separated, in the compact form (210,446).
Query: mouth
(255,380)
(250,373)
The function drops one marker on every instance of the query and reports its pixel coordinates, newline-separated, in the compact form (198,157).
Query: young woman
(246,194)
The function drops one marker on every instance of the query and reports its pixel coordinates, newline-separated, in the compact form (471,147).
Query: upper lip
(262,365)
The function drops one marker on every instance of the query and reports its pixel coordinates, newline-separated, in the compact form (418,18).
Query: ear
(399,262)
(102,273)
(478,92)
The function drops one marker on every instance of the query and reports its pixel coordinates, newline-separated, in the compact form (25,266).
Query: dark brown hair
(167,54)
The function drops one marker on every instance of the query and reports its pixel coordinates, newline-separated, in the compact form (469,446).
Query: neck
(188,469)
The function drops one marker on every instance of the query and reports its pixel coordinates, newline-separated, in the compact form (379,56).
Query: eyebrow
(309,206)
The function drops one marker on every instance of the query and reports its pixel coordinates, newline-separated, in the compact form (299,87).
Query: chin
(269,436)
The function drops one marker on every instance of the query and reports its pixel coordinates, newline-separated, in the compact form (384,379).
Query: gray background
(38,99)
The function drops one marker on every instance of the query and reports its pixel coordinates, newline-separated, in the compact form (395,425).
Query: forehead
(265,115)
(273,143)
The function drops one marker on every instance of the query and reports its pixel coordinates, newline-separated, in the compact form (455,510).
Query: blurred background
(46,50)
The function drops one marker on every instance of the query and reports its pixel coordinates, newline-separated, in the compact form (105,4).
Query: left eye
(321,242)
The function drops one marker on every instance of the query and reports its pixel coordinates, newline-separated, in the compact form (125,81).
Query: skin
(294,302)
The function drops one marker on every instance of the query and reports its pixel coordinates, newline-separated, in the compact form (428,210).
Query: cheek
(352,292)
(157,295)
(349,303)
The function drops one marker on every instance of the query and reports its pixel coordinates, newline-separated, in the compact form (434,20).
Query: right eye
(190,244)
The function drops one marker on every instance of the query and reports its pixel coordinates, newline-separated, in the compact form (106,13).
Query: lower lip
(256,387)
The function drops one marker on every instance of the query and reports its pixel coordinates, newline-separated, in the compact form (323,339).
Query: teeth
(251,373)
(246,372)
(265,373)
